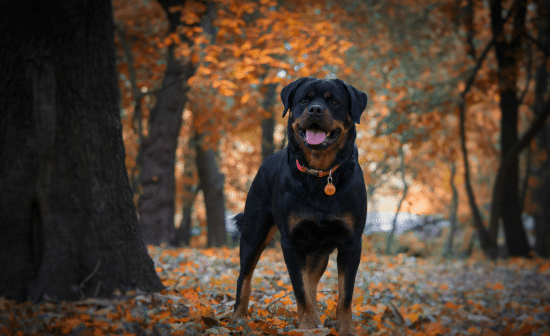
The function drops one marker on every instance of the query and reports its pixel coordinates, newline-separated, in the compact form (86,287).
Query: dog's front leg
(296,263)
(348,260)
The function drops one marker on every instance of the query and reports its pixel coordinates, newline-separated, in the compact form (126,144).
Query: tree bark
(189,193)
(138,98)
(508,55)
(487,243)
(158,151)
(212,185)
(541,193)
(391,234)
(268,125)
(183,232)
(448,250)
(68,226)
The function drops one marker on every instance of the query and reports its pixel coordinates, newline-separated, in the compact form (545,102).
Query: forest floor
(397,295)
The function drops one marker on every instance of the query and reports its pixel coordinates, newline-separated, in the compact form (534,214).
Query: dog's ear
(358,101)
(287,94)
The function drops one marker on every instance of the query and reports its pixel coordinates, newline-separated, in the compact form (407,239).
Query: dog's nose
(315,109)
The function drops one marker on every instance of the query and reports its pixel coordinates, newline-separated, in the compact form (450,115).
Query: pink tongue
(315,138)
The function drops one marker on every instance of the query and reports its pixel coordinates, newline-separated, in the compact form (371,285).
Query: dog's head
(322,119)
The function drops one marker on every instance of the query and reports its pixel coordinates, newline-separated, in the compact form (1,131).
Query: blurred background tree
(431,70)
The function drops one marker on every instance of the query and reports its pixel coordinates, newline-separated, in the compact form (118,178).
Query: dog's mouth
(315,136)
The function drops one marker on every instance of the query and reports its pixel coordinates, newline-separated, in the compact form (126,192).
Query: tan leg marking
(242,309)
(308,315)
(343,314)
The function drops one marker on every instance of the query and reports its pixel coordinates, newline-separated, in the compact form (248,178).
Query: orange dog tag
(330,189)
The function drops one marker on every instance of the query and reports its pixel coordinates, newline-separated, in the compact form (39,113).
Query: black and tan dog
(312,191)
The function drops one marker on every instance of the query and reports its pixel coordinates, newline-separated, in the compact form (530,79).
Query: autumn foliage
(414,59)
(418,61)
(394,295)
(433,126)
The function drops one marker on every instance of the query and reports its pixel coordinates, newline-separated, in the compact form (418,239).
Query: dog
(314,193)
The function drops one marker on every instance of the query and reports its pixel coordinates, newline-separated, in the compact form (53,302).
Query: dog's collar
(315,172)
(330,189)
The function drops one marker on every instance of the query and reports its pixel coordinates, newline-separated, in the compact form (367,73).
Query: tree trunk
(158,151)
(508,56)
(268,125)
(488,245)
(448,250)
(212,183)
(189,193)
(541,193)
(68,226)
(391,234)
(183,232)
(138,98)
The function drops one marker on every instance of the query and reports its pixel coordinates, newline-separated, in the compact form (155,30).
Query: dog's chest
(317,232)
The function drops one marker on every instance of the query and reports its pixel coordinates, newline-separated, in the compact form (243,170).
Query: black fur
(312,224)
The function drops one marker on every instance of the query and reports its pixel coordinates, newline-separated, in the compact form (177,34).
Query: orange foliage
(411,61)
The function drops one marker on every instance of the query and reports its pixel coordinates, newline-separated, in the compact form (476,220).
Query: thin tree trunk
(212,185)
(189,194)
(470,30)
(391,235)
(183,232)
(158,151)
(541,193)
(508,56)
(68,226)
(268,125)
(448,250)
(487,244)
(211,180)
(138,96)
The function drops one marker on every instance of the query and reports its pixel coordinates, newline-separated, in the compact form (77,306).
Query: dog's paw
(344,329)
(307,323)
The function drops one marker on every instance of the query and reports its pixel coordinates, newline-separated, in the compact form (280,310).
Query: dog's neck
(315,160)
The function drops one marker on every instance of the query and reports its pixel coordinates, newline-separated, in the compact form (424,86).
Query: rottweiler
(313,191)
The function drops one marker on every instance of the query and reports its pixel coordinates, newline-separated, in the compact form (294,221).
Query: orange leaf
(451,306)
(544,267)
(435,328)
(161,316)
(498,286)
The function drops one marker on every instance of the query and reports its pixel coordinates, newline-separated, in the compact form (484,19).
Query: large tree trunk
(508,56)
(158,151)
(68,226)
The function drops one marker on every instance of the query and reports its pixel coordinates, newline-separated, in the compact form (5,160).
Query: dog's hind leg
(258,230)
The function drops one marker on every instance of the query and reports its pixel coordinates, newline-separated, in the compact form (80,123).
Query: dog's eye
(334,103)
(303,101)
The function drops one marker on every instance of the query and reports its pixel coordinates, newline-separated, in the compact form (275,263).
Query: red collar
(314,171)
